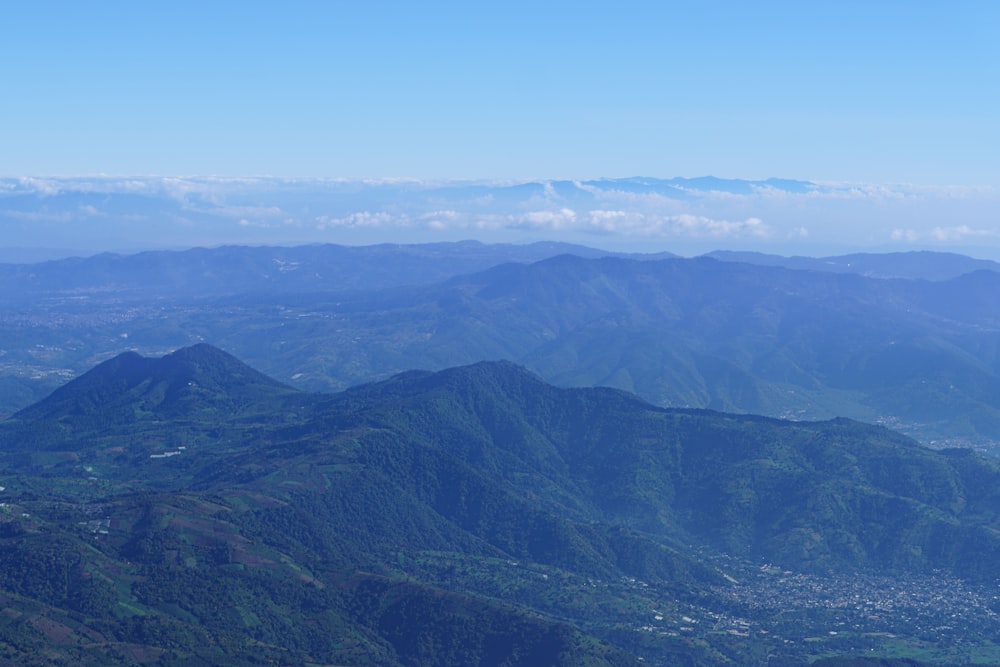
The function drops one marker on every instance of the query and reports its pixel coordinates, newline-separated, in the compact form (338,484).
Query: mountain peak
(130,384)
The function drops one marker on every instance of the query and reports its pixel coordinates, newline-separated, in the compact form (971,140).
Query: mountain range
(230,270)
(329,268)
(909,341)
(188,509)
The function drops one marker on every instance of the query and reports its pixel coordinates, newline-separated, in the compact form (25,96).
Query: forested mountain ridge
(475,501)
(920,356)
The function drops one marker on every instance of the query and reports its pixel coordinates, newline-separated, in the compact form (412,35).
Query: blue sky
(901,96)
(888,92)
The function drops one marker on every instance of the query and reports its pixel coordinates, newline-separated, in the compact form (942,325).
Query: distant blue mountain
(923,265)
(686,188)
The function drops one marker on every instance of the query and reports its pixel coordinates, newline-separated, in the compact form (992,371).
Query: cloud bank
(679,214)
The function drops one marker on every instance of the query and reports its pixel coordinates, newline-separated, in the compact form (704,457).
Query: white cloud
(447,214)
(649,199)
(42,186)
(491,222)
(835,213)
(38,216)
(360,219)
(258,224)
(629,223)
(242,211)
(908,235)
(942,234)
(958,233)
(560,219)
(699,226)
(898,192)
(685,226)
(443,220)
(602,216)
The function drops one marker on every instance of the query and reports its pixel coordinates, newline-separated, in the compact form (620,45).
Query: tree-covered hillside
(190,509)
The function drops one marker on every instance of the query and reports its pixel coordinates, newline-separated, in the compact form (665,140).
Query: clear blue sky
(871,92)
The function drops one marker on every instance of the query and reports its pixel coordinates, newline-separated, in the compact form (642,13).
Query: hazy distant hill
(918,265)
(473,516)
(204,272)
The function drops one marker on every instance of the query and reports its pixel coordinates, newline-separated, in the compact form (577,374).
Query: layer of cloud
(258,212)
(653,191)
(363,219)
(796,215)
(556,222)
(633,224)
(942,234)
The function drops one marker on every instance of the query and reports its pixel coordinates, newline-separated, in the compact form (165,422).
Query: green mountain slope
(816,495)
(198,378)
(476,515)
